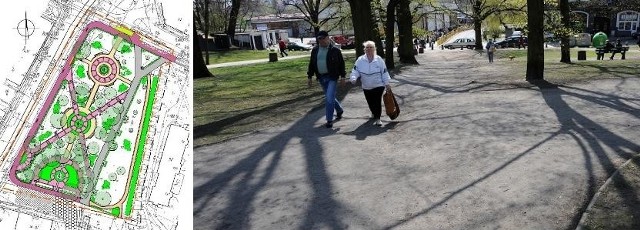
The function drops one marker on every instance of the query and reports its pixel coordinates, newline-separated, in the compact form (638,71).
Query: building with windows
(619,18)
(293,24)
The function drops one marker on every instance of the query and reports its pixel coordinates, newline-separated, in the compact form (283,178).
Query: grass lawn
(217,57)
(239,99)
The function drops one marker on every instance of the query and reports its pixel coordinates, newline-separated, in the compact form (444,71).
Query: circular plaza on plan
(104,69)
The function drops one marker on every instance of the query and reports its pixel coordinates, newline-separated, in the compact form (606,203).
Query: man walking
(491,48)
(327,64)
(283,48)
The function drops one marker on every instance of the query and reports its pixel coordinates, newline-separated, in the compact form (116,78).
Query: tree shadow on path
(240,184)
(589,135)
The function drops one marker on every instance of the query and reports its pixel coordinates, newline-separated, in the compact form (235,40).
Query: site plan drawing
(95,115)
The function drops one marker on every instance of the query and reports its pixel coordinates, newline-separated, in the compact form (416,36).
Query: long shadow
(613,102)
(473,183)
(583,129)
(368,129)
(244,180)
(243,193)
(607,69)
(575,125)
(447,89)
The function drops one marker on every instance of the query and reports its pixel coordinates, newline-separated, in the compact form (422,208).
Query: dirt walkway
(470,150)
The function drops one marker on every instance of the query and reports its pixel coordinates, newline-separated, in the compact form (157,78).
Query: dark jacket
(335,63)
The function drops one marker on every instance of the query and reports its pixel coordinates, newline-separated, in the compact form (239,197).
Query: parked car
(580,40)
(345,42)
(549,37)
(468,43)
(298,46)
(312,42)
(512,42)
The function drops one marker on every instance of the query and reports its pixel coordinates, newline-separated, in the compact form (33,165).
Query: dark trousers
(374,100)
(613,53)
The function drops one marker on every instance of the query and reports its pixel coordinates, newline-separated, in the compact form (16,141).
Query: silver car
(468,43)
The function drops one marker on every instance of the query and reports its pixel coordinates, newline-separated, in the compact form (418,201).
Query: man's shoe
(329,124)
(377,123)
(339,116)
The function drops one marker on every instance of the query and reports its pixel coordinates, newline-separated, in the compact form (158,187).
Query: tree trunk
(199,67)
(477,28)
(233,20)
(405,33)
(205,30)
(406,50)
(315,20)
(389,32)
(364,28)
(565,54)
(535,51)
(477,23)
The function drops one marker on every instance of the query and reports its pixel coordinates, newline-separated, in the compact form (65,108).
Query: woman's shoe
(329,124)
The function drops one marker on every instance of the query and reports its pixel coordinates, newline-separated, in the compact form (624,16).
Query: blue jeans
(329,86)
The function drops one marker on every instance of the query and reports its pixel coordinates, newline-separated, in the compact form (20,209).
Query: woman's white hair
(370,43)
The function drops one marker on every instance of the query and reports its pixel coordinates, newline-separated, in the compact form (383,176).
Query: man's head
(323,38)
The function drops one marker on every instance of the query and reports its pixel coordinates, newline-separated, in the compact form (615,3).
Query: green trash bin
(599,40)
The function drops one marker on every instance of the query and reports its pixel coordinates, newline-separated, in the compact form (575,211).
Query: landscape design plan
(96,134)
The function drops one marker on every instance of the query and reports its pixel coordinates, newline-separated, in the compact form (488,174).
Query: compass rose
(25,28)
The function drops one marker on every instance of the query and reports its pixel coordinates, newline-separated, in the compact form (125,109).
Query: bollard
(582,55)
(273,57)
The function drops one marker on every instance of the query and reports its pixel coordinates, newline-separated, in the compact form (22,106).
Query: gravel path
(470,150)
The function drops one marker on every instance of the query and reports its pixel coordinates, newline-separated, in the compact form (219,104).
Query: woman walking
(373,74)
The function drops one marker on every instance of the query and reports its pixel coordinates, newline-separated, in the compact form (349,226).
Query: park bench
(601,51)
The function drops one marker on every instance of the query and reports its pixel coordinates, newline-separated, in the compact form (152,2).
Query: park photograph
(416,114)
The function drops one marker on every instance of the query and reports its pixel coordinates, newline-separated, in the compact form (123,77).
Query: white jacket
(372,74)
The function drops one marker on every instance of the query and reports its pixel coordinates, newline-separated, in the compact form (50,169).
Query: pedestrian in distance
(608,46)
(373,74)
(617,49)
(491,48)
(327,64)
(521,42)
(283,48)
